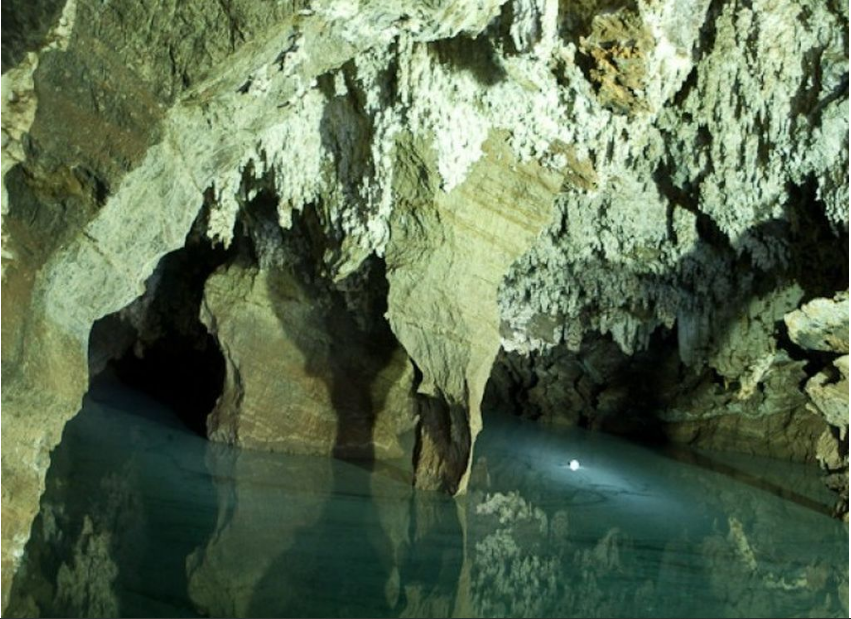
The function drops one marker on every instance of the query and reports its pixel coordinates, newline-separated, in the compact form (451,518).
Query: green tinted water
(143,518)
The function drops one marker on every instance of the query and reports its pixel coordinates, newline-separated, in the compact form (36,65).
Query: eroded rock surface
(445,260)
(821,324)
(821,328)
(301,374)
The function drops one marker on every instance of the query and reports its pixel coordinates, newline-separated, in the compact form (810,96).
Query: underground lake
(142,517)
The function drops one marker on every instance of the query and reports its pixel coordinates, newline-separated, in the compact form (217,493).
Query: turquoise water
(143,518)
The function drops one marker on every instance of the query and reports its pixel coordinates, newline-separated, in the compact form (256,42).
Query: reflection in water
(143,518)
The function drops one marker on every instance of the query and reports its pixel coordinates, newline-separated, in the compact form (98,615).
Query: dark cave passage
(158,345)
(598,387)
(176,372)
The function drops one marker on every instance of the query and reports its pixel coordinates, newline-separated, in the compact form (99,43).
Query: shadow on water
(175,501)
(126,490)
(311,536)
(630,533)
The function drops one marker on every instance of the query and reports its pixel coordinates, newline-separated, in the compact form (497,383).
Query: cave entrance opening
(158,345)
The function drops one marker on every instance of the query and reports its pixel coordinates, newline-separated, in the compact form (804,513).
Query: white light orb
(574,465)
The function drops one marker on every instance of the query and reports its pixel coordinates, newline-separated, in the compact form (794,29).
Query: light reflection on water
(143,518)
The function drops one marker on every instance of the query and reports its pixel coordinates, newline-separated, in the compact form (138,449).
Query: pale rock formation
(445,263)
(821,326)
(830,395)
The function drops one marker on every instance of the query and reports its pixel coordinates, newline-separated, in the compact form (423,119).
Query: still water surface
(143,518)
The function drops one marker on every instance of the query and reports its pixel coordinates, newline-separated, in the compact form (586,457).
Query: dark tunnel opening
(158,344)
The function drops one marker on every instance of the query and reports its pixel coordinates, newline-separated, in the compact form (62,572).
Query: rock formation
(618,200)
(332,388)
(821,326)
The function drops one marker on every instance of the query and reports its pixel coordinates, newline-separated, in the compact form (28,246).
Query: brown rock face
(302,375)
(790,436)
(618,44)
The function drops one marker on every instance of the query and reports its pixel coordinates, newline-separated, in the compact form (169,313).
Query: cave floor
(144,518)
